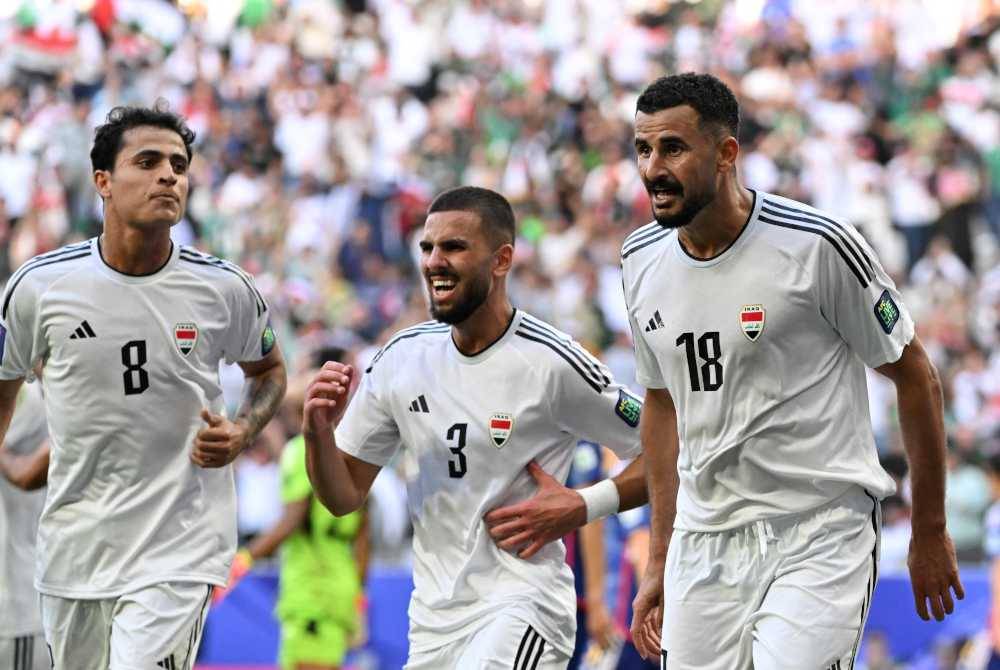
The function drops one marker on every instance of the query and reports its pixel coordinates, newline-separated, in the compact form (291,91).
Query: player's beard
(693,204)
(474,293)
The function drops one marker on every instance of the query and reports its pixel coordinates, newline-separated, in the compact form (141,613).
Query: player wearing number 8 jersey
(753,318)
(130,328)
(474,396)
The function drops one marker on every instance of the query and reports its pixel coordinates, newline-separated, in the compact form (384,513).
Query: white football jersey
(472,424)
(129,364)
(763,349)
(19,511)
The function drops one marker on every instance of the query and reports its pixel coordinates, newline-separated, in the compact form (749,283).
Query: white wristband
(601,499)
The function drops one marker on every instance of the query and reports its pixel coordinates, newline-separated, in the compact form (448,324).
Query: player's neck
(133,251)
(718,224)
(486,325)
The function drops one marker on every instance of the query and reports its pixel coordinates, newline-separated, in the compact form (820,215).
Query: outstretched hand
(326,397)
(549,515)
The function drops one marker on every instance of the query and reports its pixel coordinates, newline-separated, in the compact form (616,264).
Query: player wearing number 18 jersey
(474,397)
(754,317)
(140,516)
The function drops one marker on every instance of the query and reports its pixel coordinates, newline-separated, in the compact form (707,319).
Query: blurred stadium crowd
(324,128)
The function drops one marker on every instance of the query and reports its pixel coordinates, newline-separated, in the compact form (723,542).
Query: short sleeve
(295,485)
(251,336)
(21,342)
(860,300)
(589,404)
(368,430)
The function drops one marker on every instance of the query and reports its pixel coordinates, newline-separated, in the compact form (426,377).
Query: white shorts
(789,593)
(25,652)
(156,628)
(505,643)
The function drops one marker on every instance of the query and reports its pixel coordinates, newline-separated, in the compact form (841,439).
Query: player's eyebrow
(661,139)
(157,154)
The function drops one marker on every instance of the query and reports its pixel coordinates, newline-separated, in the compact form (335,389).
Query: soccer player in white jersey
(754,317)
(23,460)
(139,521)
(475,396)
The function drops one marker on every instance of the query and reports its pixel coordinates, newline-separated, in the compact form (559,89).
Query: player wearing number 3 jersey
(130,328)
(474,397)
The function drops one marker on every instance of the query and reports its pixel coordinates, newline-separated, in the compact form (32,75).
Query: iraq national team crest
(501,426)
(186,336)
(752,321)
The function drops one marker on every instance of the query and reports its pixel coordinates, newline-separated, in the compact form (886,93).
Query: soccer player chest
(131,337)
(747,332)
(484,423)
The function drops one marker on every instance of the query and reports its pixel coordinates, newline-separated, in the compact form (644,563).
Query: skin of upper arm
(913,366)
(273,360)
(363,473)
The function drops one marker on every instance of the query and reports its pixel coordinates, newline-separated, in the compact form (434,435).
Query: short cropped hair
(713,100)
(495,214)
(108,137)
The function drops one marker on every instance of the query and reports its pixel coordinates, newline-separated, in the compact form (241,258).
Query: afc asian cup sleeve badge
(752,321)
(185,336)
(501,426)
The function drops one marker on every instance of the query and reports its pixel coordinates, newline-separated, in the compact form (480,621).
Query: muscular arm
(660,446)
(341,481)
(933,568)
(263,390)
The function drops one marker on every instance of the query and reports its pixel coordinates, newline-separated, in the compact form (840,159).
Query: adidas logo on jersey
(834,666)
(83,332)
(167,663)
(420,405)
(655,322)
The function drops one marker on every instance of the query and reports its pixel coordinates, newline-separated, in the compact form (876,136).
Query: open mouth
(442,287)
(661,197)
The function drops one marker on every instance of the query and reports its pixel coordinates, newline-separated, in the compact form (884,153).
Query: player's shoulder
(224,275)
(404,341)
(645,240)
(810,233)
(550,349)
(46,268)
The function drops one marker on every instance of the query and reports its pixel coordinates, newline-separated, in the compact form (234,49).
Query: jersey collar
(491,348)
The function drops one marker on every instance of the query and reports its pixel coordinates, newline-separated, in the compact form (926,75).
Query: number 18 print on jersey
(129,362)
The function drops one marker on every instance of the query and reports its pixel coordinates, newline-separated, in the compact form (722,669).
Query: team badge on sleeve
(501,426)
(267,340)
(186,336)
(752,321)
(886,312)
(628,408)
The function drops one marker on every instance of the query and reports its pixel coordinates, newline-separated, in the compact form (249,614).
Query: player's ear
(102,181)
(728,152)
(503,259)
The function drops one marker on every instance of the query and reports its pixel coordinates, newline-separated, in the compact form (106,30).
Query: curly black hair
(493,210)
(713,100)
(108,137)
